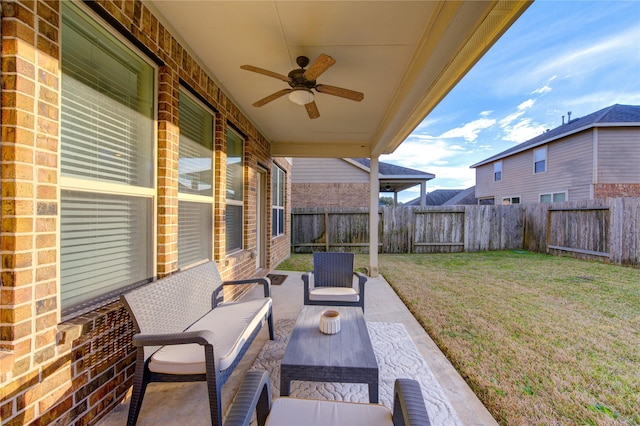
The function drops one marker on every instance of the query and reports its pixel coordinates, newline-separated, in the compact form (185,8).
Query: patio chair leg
(140,382)
(214,388)
(271,329)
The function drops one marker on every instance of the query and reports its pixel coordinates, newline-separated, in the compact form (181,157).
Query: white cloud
(542,90)
(522,131)
(418,154)
(526,104)
(470,130)
(510,118)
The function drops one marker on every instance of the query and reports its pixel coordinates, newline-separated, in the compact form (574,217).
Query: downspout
(423,193)
(374,202)
(594,180)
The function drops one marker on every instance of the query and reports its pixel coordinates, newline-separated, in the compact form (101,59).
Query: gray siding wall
(619,155)
(326,170)
(569,169)
(484,181)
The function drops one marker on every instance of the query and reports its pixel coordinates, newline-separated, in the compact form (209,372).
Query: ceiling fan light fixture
(301,96)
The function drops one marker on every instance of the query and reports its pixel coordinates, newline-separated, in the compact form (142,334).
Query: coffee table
(344,357)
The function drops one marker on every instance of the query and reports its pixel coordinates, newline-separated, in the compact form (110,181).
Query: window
(490,201)
(540,160)
(554,197)
(510,200)
(277,201)
(107,165)
(497,171)
(195,182)
(235,191)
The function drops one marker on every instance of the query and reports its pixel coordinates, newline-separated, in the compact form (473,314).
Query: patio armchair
(254,396)
(333,281)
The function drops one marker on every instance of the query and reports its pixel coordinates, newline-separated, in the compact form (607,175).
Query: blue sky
(560,56)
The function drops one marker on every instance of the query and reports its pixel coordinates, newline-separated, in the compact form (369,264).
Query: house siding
(485,186)
(327,170)
(618,155)
(568,170)
(76,371)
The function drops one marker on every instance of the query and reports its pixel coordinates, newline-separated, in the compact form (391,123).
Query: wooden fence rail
(604,229)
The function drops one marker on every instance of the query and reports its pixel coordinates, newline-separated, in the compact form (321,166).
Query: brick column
(219,203)
(168,154)
(30,204)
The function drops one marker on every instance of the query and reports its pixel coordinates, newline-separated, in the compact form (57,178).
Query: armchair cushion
(334,294)
(291,411)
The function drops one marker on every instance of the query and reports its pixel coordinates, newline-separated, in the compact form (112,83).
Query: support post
(374,191)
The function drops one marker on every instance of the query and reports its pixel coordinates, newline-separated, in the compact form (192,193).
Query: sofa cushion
(232,324)
(309,412)
(334,294)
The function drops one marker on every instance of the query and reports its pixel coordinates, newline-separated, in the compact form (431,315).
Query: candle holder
(330,321)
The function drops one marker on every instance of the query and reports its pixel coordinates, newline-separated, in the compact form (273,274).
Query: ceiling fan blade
(266,72)
(312,110)
(271,97)
(320,65)
(339,91)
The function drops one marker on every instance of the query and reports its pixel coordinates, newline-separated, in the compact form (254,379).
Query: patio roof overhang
(405,56)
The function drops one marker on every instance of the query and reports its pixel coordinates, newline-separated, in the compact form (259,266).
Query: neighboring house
(595,156)
(344,182)
(447,197)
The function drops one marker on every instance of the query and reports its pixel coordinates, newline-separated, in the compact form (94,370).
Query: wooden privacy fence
(409,229)
(604,229)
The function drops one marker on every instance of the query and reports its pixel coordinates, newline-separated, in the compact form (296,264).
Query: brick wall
(613,190)
(304,195)
(77,371)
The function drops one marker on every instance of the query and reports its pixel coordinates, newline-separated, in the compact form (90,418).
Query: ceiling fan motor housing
(297,77)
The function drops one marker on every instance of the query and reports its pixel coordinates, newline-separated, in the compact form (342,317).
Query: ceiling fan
(303,81)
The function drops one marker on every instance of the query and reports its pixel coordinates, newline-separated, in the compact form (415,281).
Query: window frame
(510,200)
(233,202)
(79,185)
(552,195)
(537,161)
(278,193)
(187,197)
(497,174)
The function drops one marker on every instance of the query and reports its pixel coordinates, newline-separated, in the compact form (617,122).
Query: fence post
(326,231)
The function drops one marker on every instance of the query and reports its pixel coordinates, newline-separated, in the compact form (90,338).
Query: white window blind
(107,173)
(104,246)
(195,164)
(194,232)
(277,201)
(196,148)
(235,191)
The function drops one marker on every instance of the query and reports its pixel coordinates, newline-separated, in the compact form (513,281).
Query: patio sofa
(186,332)
(254,396)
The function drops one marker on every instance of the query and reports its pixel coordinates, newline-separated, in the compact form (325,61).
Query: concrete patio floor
(187,403)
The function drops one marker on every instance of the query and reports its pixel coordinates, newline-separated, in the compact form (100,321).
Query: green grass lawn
(542,340)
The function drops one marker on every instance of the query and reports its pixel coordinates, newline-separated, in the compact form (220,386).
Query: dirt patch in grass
(540,339)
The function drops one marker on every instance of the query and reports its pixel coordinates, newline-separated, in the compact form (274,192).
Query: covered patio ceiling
(405,56)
